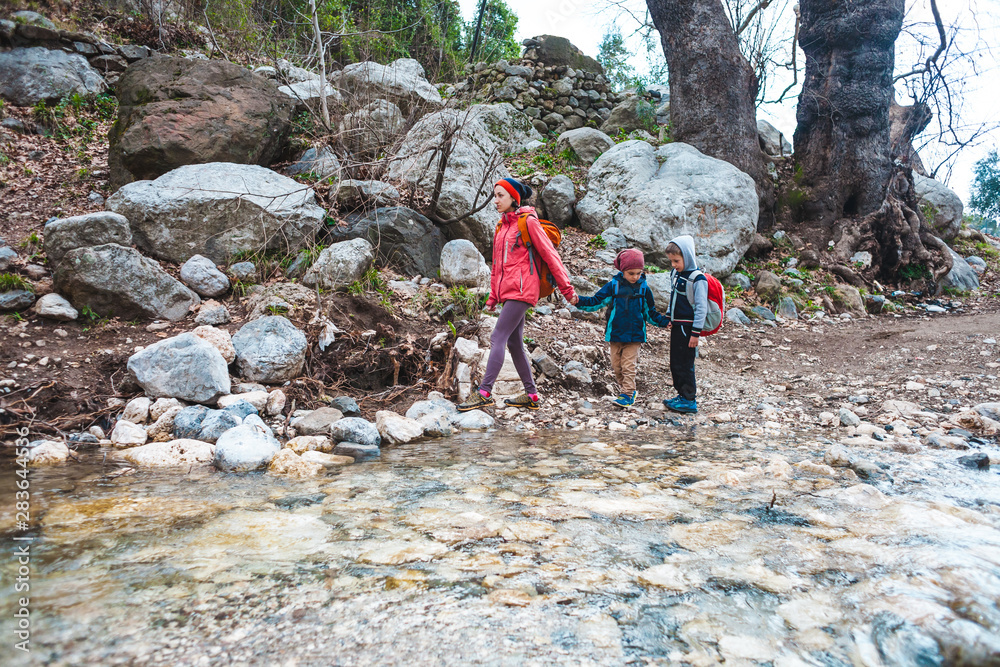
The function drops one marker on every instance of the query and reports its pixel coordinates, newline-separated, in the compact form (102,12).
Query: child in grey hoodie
(688,307)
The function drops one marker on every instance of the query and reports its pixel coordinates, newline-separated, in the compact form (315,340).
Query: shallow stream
(678,547)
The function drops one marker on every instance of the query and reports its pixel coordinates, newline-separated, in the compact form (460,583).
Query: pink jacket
(513,277)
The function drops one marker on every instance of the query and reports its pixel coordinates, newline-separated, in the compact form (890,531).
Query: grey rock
(18,299)
(632,113)
(317,422)
(577,373)
(185,367)
(85,231)
(212,313)
(346,405)
(486,130)
(108,63)
(241,409)
(309,94)
(977,461)
(218,210)
(661,286)
(35,74)
(7,257)
(402,238)
(28,17)
(200,274)
(739,280)
(762,313)
(900,642)
(653,195)
(463,264)
(772,141)
(270,349)
(187,422)
(215,423)
(370,130)
(738,316)
(961,276)
(245,448)
(559,197)
(357,430)
(353,193)
(341,264)
(941,203)
(357,451)
(436,425)
(848,418)
(862,259)
(989,410)
(96,198)
(133,52)
(243,270)
(112,279)
(768,286)
(614,239)
(847,299)
(473,420)
(978,264)
(546,364)
(787,309)
(54,307)
(322,162)
(586,142)
(402,82)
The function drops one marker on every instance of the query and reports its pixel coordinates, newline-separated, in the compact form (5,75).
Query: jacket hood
(512,216)
(686,244)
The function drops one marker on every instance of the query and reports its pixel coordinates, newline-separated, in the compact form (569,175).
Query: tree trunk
(905,124)
(842,137)
(712,89)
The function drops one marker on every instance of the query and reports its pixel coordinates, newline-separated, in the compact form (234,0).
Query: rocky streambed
(692,544)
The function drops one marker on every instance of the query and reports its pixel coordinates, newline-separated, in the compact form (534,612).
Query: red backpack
(716,303)
(546,283)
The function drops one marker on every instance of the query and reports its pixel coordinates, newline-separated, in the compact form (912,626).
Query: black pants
(682,361)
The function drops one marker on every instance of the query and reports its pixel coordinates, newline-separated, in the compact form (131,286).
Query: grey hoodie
(697,293)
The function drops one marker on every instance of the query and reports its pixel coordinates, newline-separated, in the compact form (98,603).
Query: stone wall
(556,97)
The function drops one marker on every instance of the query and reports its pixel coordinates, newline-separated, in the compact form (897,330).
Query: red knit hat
(629,259)
(518,191)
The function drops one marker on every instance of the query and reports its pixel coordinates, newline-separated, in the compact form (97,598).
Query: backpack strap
(522,225)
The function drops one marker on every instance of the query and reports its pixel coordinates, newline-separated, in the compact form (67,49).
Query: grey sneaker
(476,401)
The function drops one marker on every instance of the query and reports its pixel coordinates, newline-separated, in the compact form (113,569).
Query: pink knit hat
(629,259)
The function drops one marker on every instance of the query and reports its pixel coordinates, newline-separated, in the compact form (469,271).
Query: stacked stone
(108,59)
(557,98)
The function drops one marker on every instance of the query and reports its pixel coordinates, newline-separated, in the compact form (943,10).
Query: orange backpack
(546,283)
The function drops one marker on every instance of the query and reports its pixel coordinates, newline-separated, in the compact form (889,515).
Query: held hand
(492,307)
(693,342)
(575,300)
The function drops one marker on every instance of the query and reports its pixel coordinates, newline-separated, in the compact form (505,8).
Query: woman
(514,283)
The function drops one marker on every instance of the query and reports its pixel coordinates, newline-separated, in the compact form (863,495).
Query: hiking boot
(625,400)
(522,401)
(476,401)
(682,405)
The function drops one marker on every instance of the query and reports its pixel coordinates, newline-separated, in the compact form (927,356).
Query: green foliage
(614,58)
(597,242)
(914,272)
(496,40)
(652,268)
(465,301)
(75,115)
(794,199)
(12,281)
(985,198)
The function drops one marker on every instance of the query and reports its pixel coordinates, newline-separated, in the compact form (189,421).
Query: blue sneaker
(625,400)
(682,405)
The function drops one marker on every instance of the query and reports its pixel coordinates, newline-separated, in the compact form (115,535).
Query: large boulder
(940,205)
(463,264)
(270,349)
(402,238)
(113,280)
(352,194)
(402,82)
(556,51)
(656,194)
(961,277)
(559,198)
(340,264)
(178,111)
(369,130)
(487,131)
(356,430)
(308,94)
(85,231)
(632,113)
(586,142)
(36,74)
(218,210)
(185,367)
(772,141)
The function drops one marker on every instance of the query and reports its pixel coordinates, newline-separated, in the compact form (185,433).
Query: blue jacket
(629,308)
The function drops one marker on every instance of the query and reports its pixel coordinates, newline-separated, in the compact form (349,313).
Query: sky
(584,22)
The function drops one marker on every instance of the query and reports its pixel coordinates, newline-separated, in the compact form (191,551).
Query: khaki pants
(624,359)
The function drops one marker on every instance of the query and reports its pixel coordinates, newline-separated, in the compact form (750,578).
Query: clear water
(676,547)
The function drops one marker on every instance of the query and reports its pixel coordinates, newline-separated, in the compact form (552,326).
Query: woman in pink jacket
(514,282)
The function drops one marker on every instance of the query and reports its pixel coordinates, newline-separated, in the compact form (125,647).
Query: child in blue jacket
(630,305)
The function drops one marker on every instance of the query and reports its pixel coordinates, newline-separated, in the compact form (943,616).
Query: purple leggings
(510,332)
